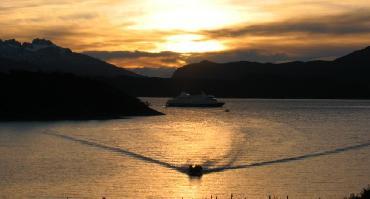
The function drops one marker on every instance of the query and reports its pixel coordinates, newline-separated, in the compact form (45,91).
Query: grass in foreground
(365,194)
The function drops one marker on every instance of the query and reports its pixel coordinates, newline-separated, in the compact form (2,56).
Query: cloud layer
(141,33)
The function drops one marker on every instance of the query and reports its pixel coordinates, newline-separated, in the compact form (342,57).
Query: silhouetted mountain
(41,96)
(346,77)
(44,55)
(356,63)
(164,72)
(358,57)
(246,69)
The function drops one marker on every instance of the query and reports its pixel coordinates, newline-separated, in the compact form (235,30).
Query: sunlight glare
(191,43)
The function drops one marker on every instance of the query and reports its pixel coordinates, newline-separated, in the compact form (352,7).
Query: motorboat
(195,170)
(187,100)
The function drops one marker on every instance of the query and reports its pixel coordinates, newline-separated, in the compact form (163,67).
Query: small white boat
(187,100)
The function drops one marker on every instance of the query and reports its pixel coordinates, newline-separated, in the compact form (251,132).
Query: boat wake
(117,150)
(289,159)
(207,168)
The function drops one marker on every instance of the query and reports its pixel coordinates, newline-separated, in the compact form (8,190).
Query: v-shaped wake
(184,169)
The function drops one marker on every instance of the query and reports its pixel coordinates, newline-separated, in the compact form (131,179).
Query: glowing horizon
(223,30)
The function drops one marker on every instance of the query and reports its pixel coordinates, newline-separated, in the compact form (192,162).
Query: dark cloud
(107,55)
(12,5)
(79,16)
(16,7)
(239,55)
(151,64)
(349,23)
(174,59)
(58,32)
(169,60)
(141,59)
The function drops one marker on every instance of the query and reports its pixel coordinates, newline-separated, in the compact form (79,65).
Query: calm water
(300,148)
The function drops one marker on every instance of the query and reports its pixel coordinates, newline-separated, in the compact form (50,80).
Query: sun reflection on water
(140,157)
(199,143)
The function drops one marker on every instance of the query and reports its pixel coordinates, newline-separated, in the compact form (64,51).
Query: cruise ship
(187,100)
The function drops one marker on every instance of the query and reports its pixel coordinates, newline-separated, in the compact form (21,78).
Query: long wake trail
(290,159)
(118,150)
(207,170)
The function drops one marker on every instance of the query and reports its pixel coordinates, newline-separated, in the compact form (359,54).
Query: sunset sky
(171,33)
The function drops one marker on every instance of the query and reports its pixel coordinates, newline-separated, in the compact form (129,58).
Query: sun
(190,43)
(181,26)
(185,21)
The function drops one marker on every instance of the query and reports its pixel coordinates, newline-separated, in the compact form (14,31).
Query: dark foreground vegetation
(42,96)
(365,194)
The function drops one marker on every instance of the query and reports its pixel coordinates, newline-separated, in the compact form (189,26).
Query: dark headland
(42,81)
(40,96)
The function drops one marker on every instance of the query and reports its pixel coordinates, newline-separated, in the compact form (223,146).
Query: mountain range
(345,77)
(43,81)
(354,65)
(43,55)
